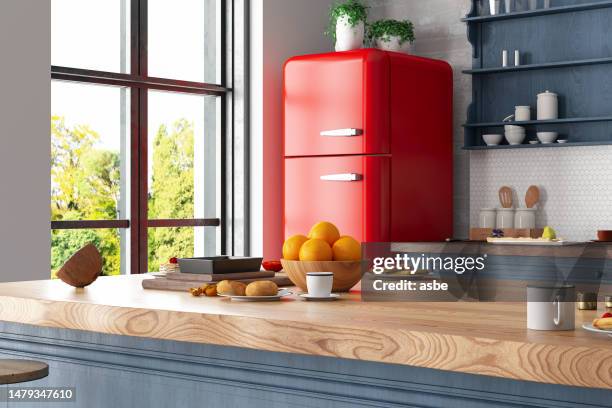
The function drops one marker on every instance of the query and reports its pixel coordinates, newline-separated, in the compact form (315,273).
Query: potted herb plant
(392,35)
(347,22)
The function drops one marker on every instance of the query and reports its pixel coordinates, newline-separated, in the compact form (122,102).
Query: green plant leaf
(385,29)
(353,9)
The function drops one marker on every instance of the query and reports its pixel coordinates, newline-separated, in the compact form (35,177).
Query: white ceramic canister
(487,218)
(548,106)
(525,218)
(522,113)
(505,218)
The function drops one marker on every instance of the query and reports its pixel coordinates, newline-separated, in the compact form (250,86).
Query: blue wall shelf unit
(566,49)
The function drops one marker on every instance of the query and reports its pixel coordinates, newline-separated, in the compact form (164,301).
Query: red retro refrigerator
(368,145)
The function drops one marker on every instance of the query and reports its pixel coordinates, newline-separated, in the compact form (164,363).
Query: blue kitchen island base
(121,371)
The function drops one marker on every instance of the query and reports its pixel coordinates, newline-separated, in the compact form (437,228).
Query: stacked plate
(515,135)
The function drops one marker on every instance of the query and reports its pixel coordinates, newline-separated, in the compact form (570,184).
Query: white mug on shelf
(551,307)
(494,7)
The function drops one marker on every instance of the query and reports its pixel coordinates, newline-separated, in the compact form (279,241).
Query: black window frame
(234,135)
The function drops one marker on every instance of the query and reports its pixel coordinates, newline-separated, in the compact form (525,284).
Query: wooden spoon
(532,197)
(505,197)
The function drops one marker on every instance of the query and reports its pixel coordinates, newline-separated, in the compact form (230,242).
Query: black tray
(219,264)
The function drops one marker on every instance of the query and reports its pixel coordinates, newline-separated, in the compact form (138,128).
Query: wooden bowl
(346,273)
(604,235)
(83,268)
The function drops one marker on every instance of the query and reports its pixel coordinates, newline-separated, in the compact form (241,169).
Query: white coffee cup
(551,307)
(319,283)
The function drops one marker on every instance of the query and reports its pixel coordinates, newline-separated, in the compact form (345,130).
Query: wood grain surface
(17,371)
(478,338)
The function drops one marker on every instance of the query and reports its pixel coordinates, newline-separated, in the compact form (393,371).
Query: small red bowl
(604,235)
(274,266)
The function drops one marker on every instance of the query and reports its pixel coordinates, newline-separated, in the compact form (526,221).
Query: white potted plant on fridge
(347,22)
(392,35)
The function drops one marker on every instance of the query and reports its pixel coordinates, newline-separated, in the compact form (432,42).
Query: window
(143,131)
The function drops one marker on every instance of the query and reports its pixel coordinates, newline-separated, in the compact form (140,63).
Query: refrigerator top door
(337,103)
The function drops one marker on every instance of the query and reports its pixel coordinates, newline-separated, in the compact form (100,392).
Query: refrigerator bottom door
(350,191)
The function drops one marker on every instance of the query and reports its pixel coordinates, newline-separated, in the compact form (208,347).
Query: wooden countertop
(478,338)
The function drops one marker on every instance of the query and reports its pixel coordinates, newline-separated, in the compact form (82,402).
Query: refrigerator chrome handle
(342,132)
(342,177)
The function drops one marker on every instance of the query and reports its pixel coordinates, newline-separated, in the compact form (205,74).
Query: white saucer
(589,327)
(333,296)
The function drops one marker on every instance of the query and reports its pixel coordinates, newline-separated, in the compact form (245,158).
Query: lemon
(291,247)
(347,249)
(316,250)
(326,231)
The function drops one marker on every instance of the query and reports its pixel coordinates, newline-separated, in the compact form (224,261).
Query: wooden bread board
(217,277)
(181,286)
(481,234)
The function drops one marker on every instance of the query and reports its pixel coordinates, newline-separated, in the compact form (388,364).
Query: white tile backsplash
(576,185)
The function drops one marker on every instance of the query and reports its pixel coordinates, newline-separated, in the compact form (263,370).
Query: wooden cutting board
(217,277)
(182,286)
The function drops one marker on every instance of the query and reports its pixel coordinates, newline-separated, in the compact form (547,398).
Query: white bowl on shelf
(492,139)
(515,138)
(548,137)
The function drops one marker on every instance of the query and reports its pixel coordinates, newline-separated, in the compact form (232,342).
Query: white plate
(589,327)
(281,293)
(333,296)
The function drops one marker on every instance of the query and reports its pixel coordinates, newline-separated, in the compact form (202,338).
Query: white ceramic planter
(347,37)
(393,44)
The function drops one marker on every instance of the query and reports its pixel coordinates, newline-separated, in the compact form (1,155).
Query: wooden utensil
(83,268)
(532,197)
(505,197)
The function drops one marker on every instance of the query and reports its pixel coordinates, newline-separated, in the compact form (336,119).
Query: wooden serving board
(217,277)
(481,234)
(181,286)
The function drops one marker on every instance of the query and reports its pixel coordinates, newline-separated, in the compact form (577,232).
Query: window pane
(92,34)
(110,243)
(186,242)
(89,152)
(183,155)
(184,40)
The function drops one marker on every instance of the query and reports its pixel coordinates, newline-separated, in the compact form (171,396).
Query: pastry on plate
(228,287)
(262,288)
(604,322)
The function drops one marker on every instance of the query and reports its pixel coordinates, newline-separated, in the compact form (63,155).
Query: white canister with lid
(548,106)
(487,219)
(525,218)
